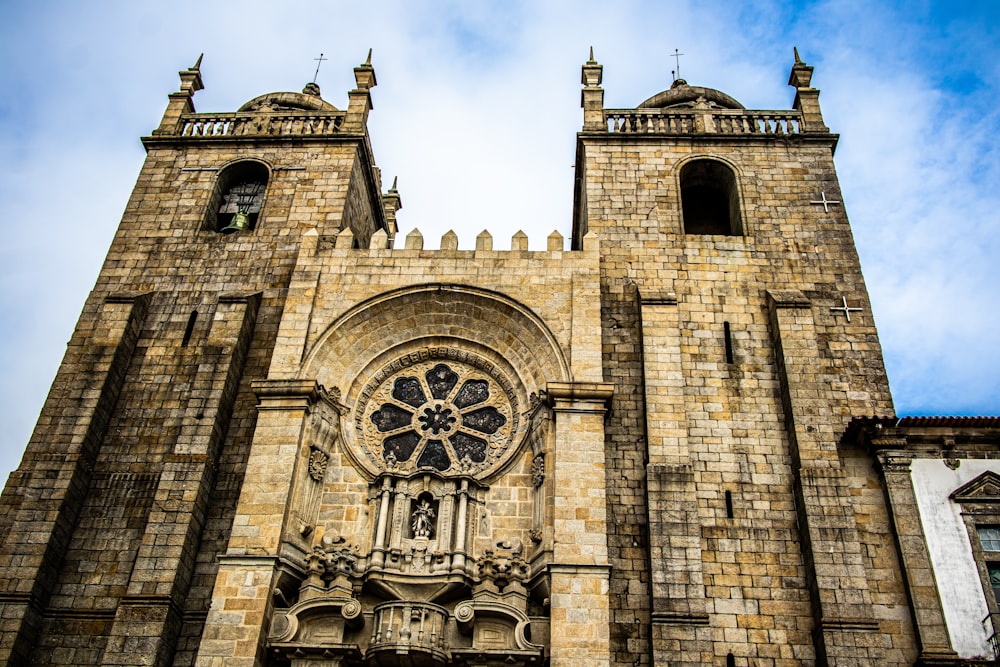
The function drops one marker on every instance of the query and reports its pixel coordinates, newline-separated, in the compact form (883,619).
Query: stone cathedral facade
(282,436)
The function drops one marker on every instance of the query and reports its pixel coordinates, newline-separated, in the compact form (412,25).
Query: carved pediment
(983,489)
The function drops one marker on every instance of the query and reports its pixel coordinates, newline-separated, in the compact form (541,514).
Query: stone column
(580,613)
(242,603)
(680,622)
(846,631)
(928,615)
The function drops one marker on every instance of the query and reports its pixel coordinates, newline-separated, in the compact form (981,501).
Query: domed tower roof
(307,100)
(681,96)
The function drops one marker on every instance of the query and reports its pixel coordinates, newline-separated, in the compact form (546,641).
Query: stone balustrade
(417,628)
(702,121)
(214,125)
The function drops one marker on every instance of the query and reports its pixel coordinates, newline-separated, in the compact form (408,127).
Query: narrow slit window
(727,333)
(189,329)
(729,504)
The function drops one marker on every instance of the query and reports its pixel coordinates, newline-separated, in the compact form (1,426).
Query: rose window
(446,415)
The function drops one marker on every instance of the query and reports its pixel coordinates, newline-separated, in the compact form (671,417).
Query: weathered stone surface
(297,442)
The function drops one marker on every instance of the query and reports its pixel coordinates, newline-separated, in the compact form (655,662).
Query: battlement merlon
(381,244)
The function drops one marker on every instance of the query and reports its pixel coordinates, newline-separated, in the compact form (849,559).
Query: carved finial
(798,61)
(591,56)
(395,180)
(368,60)
(197,63)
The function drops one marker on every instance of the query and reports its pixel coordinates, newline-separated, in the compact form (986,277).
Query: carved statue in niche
(422,520)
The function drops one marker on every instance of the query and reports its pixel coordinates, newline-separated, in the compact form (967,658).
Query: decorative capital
(894,462)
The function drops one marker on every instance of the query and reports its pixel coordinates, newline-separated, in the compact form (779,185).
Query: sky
(475,112)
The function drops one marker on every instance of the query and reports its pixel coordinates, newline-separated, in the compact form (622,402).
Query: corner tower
(112,523)
(738,334)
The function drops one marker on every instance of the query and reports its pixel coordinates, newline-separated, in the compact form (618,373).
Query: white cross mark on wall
(825,202)
(847,310)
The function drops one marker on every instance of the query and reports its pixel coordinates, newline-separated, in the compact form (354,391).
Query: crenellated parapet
(554,243)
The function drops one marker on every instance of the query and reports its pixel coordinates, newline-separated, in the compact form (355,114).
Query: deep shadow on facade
(281,437)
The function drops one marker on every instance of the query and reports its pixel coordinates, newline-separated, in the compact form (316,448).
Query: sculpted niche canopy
(279,440)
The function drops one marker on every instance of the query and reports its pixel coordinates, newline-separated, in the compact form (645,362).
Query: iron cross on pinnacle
(677,56)
(319,61)
(845,309)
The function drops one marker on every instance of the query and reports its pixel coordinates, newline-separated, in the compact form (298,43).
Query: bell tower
(738,334)
(124,498)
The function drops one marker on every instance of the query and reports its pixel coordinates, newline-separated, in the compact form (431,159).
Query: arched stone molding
(483,318)
(740,184)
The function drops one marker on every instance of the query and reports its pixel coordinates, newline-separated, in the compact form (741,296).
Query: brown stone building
(278,439)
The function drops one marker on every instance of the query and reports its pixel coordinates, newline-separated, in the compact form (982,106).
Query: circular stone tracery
(454,414)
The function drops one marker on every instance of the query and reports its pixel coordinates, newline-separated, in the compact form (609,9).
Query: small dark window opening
(993,569)
(190,328)
(730,660)
(729,504)
(727,333)
(709,199)
(238,198)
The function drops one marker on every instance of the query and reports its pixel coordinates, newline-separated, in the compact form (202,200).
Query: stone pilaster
(680,621)
(238,621)
(148,617)
(845,631)
(56,470)
(925,602)
(580,614)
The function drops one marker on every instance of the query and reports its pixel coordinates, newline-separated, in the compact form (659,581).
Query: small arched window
(709,199)
(238,197)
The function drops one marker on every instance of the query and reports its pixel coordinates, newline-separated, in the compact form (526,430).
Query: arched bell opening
(710,199)
(238,197)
